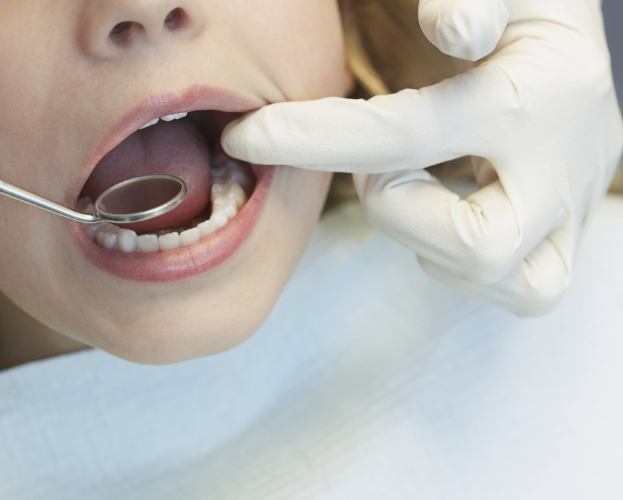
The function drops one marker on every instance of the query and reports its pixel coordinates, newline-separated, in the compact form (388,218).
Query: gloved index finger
(332,134)
(412,129)
(401,131)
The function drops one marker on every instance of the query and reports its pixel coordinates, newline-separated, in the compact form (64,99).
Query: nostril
(175,19)
(120,34)
(120,28)
(124,32)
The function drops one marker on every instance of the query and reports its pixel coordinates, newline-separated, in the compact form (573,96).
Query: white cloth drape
(368,381)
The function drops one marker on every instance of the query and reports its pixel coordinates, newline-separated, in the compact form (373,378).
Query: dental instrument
(134,200)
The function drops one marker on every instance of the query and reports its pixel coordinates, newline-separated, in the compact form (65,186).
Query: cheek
(32,255)
(304,48)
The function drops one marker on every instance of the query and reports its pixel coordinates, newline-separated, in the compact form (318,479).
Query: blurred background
(613,12)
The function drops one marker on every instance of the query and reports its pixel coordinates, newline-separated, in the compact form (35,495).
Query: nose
(109,26)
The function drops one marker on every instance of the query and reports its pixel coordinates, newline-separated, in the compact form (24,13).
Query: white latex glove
(541,109)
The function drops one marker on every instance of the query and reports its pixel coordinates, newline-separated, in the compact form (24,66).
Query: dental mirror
(135,200)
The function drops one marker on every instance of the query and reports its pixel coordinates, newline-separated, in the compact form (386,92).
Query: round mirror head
(140,199)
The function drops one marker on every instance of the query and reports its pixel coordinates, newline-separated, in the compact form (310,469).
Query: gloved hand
(539,115)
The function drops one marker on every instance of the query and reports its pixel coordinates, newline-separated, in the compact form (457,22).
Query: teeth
(237,195)
(147,243)
(228,197)
(85,205)
(91,230)
(190,237)
(207,228)
(170,241)
(127,240)
(175,116)
(167,118)
(230,211)
(150,124)
(226,169)
(219,219)
(106,235)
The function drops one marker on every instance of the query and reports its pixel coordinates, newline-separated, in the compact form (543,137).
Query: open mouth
(186,145)
(223,204)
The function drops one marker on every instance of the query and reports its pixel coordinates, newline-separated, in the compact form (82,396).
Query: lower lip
(186,262)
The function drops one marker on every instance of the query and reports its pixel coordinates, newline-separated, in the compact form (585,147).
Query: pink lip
(208,253)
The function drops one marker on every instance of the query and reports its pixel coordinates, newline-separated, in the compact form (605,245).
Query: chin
(176,342)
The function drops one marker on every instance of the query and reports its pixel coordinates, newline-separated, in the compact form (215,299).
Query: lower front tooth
(147,243)
(190,237)
(170,241)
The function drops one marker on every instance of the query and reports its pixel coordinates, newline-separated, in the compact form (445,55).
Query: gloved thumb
(467,29)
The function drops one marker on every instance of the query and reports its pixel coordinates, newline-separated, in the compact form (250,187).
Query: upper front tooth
(149,124)
(175,116)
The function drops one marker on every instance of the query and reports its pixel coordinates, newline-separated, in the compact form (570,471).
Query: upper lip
(194,98)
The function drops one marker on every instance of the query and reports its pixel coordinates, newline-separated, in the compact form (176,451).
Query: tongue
(171,148)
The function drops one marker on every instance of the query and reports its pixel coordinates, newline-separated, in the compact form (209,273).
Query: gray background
(613,12)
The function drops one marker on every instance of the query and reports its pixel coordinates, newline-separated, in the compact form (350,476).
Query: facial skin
(63,84)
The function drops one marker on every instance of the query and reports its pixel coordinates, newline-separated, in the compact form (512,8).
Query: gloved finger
(478,239)
(483,170)
(533,289)
(467,29)
(412,129)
